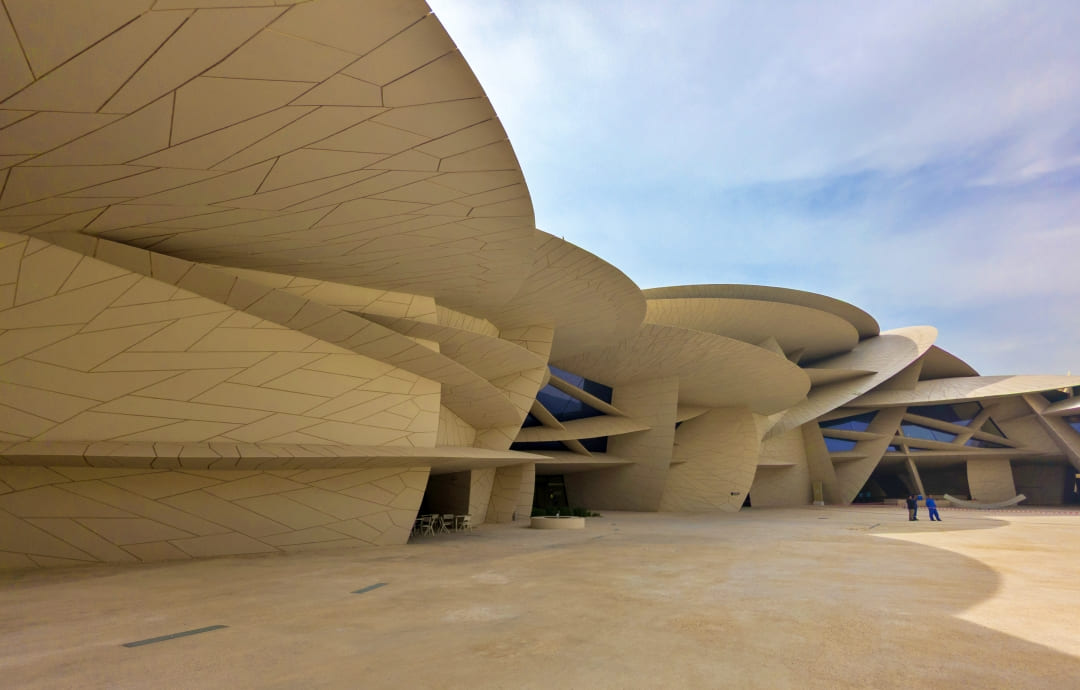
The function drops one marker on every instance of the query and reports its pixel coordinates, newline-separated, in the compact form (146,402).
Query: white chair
(464,522)
(427,524)
(446,524)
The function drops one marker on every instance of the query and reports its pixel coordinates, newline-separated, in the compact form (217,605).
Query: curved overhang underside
(565,462)
(488,356)
(590,427)
(864,323)
(884,355)
(1062,408)
(796,328)
(341,141)
(589,302)
(941,364)
(251,456)
(713,371)
(964,388)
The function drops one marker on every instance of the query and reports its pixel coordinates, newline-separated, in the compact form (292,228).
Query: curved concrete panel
(863,322)
(940,364)
(591,427)
(589,302)
(469,395)
(965,388)
(796,328)
(885,355)
(713,462)
(273,138)
(712,371)
(979,505)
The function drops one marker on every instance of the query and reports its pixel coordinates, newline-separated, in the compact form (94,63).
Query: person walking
(931,507)
(912,506)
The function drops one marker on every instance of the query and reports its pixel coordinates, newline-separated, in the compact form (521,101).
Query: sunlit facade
(270,280)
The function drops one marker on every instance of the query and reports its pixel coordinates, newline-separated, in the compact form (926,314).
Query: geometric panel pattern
(714,462)
(90,352)
(267,265)
(339,140)
(73,515)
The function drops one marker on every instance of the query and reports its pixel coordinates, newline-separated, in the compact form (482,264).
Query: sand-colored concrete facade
(270,280)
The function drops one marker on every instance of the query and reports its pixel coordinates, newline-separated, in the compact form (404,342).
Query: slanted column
(916,480)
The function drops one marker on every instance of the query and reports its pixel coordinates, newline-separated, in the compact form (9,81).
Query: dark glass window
(839,445)
(597,390)
(564,407)
(991,428)
(913,430)
(530,421)
(595,445)
(961,413)
(893,448)
(914,449)
(1073,421)
(979,443)
(859,422)
(526,446)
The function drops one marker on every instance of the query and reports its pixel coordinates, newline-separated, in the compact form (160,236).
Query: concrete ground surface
(853,597)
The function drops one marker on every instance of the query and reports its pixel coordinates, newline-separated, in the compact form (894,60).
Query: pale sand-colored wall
(713,462)
(92,351)
(820,464)
(506,493)
(1043,484)
(480,485)
(453,430)
(639,486)
(990,480)
(782,486)
(71,515)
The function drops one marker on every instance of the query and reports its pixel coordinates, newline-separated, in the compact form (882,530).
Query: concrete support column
(783,476)
(820,463)
(990,480)
(916,480)
(506,493)
(713,463)
(480,485)
(639,486)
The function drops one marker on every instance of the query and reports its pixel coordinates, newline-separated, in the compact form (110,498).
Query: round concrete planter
(557,522)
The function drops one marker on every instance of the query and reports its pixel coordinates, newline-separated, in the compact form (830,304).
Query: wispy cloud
(919,160)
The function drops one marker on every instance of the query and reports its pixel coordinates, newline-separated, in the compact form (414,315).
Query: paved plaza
(800,598)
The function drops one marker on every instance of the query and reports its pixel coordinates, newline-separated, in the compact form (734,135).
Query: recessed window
(979,443)
(913,430)
(960,413)
(859,422)
(839,445)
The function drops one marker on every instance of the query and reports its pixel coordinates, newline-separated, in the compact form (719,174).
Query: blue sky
(919,160)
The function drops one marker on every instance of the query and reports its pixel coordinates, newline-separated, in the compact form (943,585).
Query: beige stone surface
(712,370)
(783,474)
(793,328)
(166,514)
(639,486)
(990,481)
(385,155)
(865,324)
(948,390)
(885,355)
(750,599)
(713,462)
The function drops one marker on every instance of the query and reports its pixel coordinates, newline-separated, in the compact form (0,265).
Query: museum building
(270,280)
